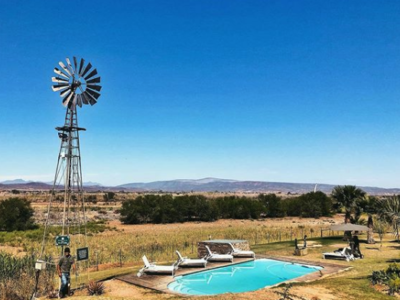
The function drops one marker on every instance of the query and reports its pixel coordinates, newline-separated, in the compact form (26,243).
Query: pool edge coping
(165,280)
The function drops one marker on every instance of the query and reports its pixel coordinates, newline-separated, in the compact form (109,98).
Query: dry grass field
(352,285)
(127,243)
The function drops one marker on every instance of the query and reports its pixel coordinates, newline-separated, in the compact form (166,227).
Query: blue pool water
(244,277)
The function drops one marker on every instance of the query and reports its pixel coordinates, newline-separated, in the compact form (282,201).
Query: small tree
(272,204)
(350,198)
(380,227)
(370,233)
(108,196)
(314,205)
(389,209)
(16,214)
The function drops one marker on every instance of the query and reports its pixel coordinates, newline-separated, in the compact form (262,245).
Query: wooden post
(97,261)
(120,258)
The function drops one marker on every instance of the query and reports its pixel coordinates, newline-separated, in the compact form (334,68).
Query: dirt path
(119,290)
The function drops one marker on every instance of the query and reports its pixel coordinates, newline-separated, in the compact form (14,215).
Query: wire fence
(122,248)
(127,249)
(166,251)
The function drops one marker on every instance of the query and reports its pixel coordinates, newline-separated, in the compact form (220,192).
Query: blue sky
(293,91)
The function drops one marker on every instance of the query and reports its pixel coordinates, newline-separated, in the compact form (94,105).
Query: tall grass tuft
(17,277)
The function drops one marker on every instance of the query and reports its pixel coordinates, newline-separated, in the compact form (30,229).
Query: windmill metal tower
(77,85)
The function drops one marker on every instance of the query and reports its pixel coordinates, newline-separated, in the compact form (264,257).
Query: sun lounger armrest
(233,248)
(150,265)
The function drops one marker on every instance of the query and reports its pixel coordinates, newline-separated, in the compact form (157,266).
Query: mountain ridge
(229,185)
(208,184)
(21,181)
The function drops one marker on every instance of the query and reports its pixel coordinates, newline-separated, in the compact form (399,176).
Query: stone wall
(301,252)
(220,246)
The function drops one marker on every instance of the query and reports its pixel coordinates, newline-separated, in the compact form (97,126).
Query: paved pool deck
(160,282)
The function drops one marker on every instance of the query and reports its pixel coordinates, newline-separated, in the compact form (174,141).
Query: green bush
(314,205)
(168,209)
(379,277)
(394,284)
(393,269)
(273,205)
(16,214)
(389,277)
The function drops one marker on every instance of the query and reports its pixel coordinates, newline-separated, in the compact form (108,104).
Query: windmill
(78,84)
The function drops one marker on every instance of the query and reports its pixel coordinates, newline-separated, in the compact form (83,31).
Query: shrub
(394,284)
(389,277)
(315,205)
(109,196)
(17,277)
(273,205)
(393,269)
(168,209)
(16,214)
(379,277)
(310,205)
(95,288)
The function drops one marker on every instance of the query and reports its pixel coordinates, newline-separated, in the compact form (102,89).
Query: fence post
(97,261)
(120,258)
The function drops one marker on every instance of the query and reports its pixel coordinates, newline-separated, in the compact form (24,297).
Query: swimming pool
(239,278)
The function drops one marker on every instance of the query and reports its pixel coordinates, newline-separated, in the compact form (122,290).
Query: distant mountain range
(228,185)
(21,181)
(185,185)
(201,185)
(15,181)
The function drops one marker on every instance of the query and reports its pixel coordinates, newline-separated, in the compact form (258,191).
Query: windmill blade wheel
(76,83)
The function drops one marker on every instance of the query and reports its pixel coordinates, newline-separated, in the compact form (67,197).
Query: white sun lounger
(190,262)
(342,253)
(241,253)
(218,257)
(155,269)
